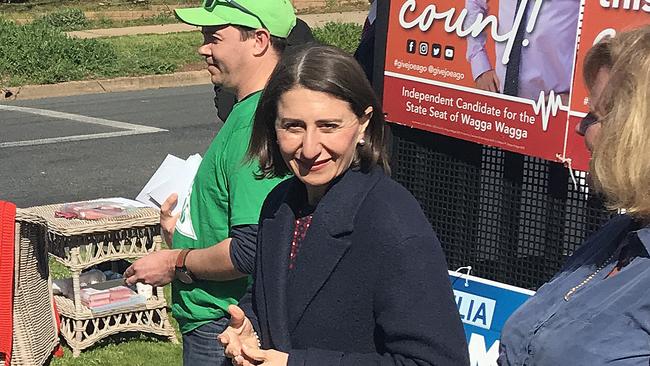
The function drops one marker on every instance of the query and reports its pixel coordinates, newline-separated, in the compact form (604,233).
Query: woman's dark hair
(323,69)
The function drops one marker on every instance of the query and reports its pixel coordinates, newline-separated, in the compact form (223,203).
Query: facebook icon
(410,45)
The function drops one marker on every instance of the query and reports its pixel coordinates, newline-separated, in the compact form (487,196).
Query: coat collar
(340,204)
(326,242)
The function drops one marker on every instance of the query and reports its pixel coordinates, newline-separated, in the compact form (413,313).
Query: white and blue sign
(484,307)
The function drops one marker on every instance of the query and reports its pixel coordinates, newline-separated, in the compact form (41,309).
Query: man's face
(591,133)
(225,53)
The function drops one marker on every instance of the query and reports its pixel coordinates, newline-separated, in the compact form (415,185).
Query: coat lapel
(328,238)
(319,254)
(276,234)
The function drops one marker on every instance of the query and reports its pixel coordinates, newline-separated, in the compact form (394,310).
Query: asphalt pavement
(100,145)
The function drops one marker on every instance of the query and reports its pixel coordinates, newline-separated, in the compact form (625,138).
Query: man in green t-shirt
(243,40)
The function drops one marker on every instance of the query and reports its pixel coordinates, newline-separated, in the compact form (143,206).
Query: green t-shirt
(225,193)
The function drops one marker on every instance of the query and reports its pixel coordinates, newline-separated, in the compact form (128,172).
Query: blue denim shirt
(604,322)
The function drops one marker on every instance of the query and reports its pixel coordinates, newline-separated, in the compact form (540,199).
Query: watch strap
(180,260)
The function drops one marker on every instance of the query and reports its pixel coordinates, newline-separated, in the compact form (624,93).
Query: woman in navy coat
(348,269)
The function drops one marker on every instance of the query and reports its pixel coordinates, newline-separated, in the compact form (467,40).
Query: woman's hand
(269,357)
(239,333)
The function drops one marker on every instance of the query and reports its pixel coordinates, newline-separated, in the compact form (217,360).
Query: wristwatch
(182,273)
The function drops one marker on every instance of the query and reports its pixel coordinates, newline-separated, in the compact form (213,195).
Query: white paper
(174,175)
(180,183)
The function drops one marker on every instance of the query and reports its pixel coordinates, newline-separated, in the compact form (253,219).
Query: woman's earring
(362,142)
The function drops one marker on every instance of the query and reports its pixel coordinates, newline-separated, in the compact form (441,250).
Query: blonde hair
(621,158)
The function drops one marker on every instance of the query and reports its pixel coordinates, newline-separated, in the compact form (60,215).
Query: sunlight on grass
(155,53)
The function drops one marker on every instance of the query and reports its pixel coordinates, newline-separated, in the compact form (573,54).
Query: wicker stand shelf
(84,328)
(80,244)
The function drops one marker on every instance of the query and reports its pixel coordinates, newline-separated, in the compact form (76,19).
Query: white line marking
(53,140)
(80,118)
(131,129)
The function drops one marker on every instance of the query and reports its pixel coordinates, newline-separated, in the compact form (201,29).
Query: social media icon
(449,53)
(410,46)
(424,48)
(436,50)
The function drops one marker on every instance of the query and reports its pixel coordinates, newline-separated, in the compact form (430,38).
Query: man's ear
(262,40)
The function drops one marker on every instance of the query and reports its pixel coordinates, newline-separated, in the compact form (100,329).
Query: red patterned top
(299,233)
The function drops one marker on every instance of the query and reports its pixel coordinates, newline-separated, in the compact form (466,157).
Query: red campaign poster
(601,19)
(460,68)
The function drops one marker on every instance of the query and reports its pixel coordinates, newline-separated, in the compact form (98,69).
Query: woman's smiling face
(317,135)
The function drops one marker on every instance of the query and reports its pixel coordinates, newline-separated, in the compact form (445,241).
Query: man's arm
(228,260)
(158,268)
(482,71)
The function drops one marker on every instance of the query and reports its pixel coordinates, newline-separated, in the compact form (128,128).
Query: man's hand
(156,269)
(488,81)
(269,357)
(167,219)
(239,333)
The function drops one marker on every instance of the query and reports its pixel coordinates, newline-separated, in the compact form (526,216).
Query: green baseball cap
(276,16)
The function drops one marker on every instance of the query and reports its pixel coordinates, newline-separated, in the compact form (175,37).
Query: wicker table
(80,244)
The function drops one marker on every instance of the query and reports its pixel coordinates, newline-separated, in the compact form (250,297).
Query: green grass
(38,54)
(343,35)
(155,54)
(136,350)
(58,270)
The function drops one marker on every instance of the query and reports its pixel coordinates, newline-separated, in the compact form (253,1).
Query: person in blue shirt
(596,310)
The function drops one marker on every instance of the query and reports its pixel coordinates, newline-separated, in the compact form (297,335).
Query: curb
(71,88)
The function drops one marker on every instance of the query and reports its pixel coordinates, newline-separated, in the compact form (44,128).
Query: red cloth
(58,350)
(7,238)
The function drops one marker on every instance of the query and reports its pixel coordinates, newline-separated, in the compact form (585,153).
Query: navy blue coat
(370,285)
